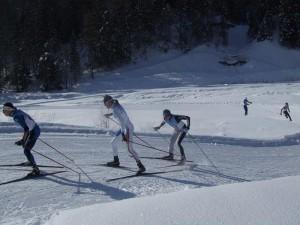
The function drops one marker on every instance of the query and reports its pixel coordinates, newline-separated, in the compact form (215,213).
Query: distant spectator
(246,103)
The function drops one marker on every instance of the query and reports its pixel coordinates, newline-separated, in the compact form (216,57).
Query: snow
(265,202)
(216,111)
(255,176)
(33,202)
(196,83)
(267,62)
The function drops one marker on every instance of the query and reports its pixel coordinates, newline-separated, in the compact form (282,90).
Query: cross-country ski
(164,159)
(22,165)
(116,167)
(28,177)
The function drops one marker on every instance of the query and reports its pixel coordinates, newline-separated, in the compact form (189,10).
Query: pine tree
(49,73)
(108,33)
(289,13)
(75,67)
(262,19)
(20,77)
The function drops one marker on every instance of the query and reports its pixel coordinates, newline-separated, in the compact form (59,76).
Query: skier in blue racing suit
(30,136)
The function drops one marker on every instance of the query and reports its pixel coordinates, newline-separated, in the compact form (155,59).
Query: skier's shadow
(187,182)
(196,169)
(113,192)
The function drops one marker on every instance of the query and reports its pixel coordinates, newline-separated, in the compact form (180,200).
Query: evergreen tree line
(48,43)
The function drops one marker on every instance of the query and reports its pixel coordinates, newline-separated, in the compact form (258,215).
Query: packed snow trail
(33,201)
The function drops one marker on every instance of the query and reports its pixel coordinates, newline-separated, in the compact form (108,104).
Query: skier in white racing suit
(126,130)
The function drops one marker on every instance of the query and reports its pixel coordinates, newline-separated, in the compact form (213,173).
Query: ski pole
(79,174)
(56,150)
(55,161)
(203,152)
(113,120)
(163,137)
(72,160)
(154,147)
(147,144)
(133,133)
(150,146)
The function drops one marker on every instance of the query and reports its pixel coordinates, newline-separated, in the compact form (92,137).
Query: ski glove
(156,128)
(108,115)
(19,143)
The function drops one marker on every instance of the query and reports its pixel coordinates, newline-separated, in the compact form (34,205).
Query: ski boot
(114,163)
(141,168)
(182,160)
(169,157)
(35,172)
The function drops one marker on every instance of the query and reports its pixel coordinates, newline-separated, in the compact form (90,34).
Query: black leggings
(246,110)
(287,115)
(30,142)
(180,138)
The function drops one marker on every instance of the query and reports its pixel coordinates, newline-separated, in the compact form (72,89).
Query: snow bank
(265,202)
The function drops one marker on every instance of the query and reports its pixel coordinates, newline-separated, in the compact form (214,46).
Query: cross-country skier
(286,111)
(126,130)
(246,103)
(180,131)
(30,136)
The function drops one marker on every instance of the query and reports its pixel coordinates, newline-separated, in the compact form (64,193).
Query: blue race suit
(30,126)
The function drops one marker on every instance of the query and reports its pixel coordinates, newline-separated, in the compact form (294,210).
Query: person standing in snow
(180,131)
(126,130)
(286,111)
(246,103)
(30,135)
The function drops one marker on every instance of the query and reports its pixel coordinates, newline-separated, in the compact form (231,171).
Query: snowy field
(34,201)
(215,111)
(255,157)
(226,205)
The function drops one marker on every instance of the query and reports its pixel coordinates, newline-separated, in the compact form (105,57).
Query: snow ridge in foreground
(275,202)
